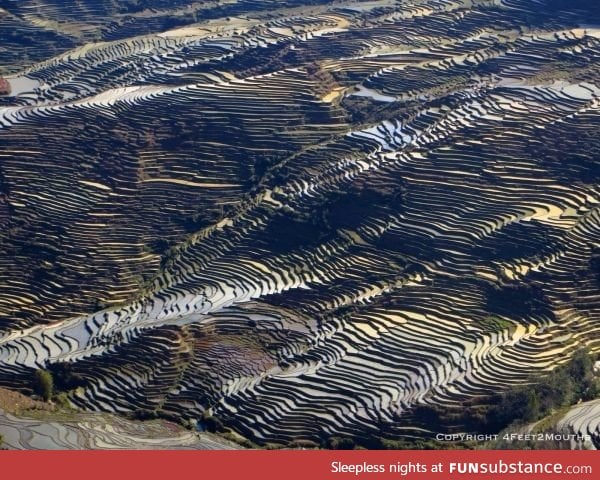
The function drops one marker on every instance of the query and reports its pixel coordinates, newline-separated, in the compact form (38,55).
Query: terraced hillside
(34,425)
(306,220)
(575,428)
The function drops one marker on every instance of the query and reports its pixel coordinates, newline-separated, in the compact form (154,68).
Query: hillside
(302,220)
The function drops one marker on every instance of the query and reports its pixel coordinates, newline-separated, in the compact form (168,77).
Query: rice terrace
(299,224)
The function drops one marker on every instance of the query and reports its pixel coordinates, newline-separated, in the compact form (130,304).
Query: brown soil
(15,403)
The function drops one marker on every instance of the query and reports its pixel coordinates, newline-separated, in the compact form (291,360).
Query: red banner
(294,464)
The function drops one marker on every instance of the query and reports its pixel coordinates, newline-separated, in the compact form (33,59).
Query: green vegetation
(43,384)
(304,444)
(554,393)
(541,398)
(53,384)
(566,385)
(62,400)
(494,324)
(212,423)
(413,444)
(379,442)
(65,377)
(144,414)
(340,443)
(242,441)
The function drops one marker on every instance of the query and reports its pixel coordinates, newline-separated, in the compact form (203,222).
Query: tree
(532,410)
(43,384)
(212,424)
(340,443)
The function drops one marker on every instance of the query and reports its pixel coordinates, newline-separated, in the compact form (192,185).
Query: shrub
(144,414)
(304,444)
(43,384)
(340,443)
(62,400)
(212,424)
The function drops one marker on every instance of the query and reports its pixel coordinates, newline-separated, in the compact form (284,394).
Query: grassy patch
(495,324)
